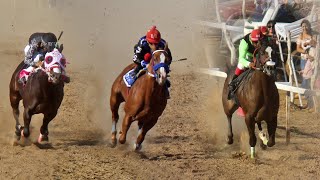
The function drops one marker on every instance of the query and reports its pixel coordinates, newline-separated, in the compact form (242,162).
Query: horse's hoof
(270,143)
(230,141)
(113,143)
(15,141)
(17,136)
(122,141)
(43,139)
(137,147)
(263,146)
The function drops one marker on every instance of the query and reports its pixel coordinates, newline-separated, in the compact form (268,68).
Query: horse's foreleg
(44,132)
(251,128)
(262,136)
(125,127)
(272,127)
(142,133)
(27,119)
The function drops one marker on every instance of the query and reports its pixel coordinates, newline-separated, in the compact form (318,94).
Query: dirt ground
(188,142)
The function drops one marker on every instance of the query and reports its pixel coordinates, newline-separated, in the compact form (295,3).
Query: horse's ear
(60,48)
(166,46)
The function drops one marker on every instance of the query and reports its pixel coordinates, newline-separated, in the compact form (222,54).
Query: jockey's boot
(135,73)
(232,87)
(168,84)
(167,92)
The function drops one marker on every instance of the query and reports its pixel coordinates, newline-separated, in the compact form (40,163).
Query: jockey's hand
(144,63)
(39,63)
(251,65)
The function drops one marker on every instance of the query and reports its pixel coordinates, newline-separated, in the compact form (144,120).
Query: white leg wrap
(252,152)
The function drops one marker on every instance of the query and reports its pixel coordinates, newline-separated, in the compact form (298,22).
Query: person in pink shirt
(307,72)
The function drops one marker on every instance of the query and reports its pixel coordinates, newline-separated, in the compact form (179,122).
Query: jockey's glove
(144,63)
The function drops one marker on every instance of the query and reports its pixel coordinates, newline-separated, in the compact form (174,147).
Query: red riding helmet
(153,35)
(255,35)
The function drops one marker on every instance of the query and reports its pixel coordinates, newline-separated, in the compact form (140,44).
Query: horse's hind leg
(125,127)
(44,132)
(115,101)
(14,100)
(230,134)
(142,133)
(229,108)
(272,127)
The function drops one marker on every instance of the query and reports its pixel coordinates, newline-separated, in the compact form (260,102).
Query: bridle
(156,67)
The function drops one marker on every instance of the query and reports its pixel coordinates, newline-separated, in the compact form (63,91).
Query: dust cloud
(98,43)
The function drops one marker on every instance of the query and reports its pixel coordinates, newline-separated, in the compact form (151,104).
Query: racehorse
(258,96)
(42,93)
(144,101)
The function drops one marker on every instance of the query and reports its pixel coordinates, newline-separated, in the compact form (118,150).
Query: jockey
(34,55)
(143,50)
(35,52)
(247,47)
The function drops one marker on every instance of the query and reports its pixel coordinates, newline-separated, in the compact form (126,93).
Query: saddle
(236,84)
(130,77)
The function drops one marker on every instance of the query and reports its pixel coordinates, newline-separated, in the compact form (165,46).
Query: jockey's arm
(243,51)
(29,55)
(138,53)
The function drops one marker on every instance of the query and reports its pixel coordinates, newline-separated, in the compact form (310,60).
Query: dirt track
(188,142)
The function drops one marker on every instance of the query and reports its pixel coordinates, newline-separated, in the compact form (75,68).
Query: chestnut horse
(144,101)
(258,96)
(43,93)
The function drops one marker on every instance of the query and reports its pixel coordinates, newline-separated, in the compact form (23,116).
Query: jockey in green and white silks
(246,49)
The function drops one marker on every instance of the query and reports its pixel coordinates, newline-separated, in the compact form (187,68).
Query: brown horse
(43,93)
(144,101)
(258,96)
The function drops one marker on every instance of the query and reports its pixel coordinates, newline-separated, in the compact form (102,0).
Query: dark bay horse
(43,93)
(258,96)
(144,101)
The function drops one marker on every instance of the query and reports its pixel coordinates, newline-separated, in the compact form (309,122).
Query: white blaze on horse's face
(162,76)
(55,73)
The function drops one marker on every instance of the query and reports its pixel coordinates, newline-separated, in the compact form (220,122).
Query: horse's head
(159,66)
(265,63)
(54,64)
